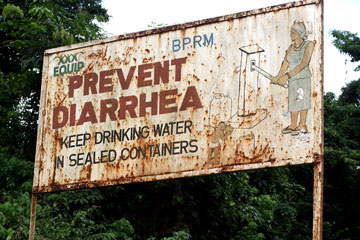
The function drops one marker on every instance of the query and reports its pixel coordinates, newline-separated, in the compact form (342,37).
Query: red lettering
(165,101)
(72,114)
(161,72)
(152,104)
(108,107)
(90,84)
(106,81)
(142,75)
(125,83)
(177,63)
(74,82)
(128,107)
(56,123)
(191,99)
(87,114)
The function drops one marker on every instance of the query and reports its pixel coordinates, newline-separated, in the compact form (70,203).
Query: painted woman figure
(295,70)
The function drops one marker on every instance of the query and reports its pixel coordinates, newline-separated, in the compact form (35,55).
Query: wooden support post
(318,200)
(32,216)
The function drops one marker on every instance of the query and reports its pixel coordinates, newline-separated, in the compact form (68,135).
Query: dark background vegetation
(263,204)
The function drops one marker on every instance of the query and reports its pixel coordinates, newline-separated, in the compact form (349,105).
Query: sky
(134,16)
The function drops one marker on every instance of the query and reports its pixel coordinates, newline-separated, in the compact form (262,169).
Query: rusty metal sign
(241,91)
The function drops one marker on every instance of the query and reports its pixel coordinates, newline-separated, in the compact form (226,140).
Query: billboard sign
(241,91)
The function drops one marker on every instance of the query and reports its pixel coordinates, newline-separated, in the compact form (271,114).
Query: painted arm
(284,67)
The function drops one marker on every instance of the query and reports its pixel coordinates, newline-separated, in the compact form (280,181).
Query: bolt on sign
(241,91)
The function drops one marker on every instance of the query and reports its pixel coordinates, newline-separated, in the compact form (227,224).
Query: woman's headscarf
(300,28)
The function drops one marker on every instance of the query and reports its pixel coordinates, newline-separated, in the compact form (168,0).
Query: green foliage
(153,25)
(122,229)
(12,11)
(60,216)
(180,235)
(347,43)
(351,93)
(342,154)
(223,206)
(291,198)
(14,172)
(38,12)
(63,37)
(14,216)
